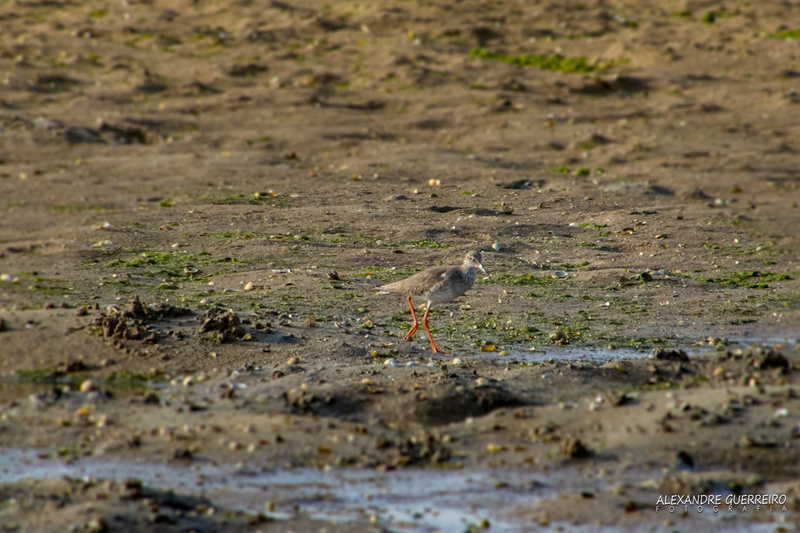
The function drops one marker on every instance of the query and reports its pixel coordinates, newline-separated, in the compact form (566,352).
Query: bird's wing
(419,283)
(440,278)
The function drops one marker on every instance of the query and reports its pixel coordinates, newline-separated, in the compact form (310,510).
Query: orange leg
(414,325)
(425,325)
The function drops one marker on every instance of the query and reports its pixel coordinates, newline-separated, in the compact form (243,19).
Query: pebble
(188,381)
(249,286)
(456,361)
(293,361)
(493,448)
(412,363)
(96,525)
(390,362)
(87,386)
(496,247)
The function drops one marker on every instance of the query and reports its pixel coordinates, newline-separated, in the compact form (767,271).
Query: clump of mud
(301,400)
(419,450)
(669,355)
(452,403)
(73,504)
(220,325)
(762,357)
(120,324)
(752,365)
(132,323)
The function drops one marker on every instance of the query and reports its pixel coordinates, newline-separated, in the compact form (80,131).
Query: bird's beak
(484,271)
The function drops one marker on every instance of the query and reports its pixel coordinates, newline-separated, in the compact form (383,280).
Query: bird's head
(473,260)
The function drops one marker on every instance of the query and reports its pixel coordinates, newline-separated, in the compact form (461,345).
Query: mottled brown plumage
(437,285)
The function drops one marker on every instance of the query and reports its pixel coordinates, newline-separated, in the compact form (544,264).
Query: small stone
(456,361)
(249,286)
(293,361)
(87,386)
(559,337)
(684,459)
(574,448)
(188,381)
(390,362)
(97,525)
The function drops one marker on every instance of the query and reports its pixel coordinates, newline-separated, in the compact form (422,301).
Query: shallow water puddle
(410,501)
(594,354)
(573,354)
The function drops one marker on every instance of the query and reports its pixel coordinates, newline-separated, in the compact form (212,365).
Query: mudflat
(199,199)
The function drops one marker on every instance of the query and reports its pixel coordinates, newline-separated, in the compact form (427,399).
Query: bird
(437,285)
